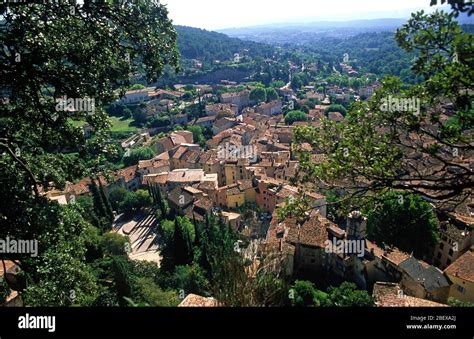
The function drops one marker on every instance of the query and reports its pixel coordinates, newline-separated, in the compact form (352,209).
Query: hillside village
(248,165)
(149,164)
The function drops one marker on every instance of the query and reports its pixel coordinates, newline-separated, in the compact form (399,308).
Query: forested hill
(195,43)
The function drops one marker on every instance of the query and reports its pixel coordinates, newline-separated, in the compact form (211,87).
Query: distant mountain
(307,33)
(195,43)
(299,33)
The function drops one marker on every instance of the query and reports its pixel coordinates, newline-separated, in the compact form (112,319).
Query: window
(451,252)
(441,245)
(461,289)
(448,262)
(439,255)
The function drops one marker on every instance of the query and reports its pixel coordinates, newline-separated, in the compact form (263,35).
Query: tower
(356,226)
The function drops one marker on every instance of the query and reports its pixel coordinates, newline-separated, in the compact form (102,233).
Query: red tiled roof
(390,295)
(463,267)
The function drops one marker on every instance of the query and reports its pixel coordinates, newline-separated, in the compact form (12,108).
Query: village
(249,165)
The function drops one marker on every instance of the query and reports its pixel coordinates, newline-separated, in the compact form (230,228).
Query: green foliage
(272,94)
(383,157)
(102,210)
(190,279)
(406,221)
(258,95)
(178,237)
(114,244)
(159,201)
(139,115)
(150,294)
(86,206)
(116,197)
(5,290)
(160,122)
(277,84)
(200,44)
(458,303)
(135,155)
(124,280)
(298,80)
(198,135)
(336,108)
(294,116)
(347,295)
(59,276)
(136,87)
(107,206)
(305,294)
(134,201)
(182,244)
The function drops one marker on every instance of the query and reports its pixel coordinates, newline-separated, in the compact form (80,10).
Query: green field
(119,125)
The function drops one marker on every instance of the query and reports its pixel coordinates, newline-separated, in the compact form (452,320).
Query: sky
(219,14)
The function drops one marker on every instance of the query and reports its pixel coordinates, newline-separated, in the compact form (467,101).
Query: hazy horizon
(211,14)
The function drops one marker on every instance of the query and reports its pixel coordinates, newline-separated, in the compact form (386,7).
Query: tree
(137,87)
(304,294)
(336,108)
(150,294)
(5,290)
(230,276)
(182,244)
(190,279)
(135,201)
(100,209)
(272,94)
(114,244)
(198,134)
(187,96)
(347,295)
(406,221)
(61,276)
(458,6)
(139,115)
(298,80)
(116,197)
(85,50)
(124,279)
(277,84)
(86,206)
(258,95)
(457,303)
(294,116)
(160,122)
(135,155)
(105,199)
(127,113)
(385,143)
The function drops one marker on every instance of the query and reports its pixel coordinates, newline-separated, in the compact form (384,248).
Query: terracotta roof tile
(463,267)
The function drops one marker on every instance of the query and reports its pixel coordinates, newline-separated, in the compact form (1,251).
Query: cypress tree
(98,202)
(99,207)
(105,200)
(182,244)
